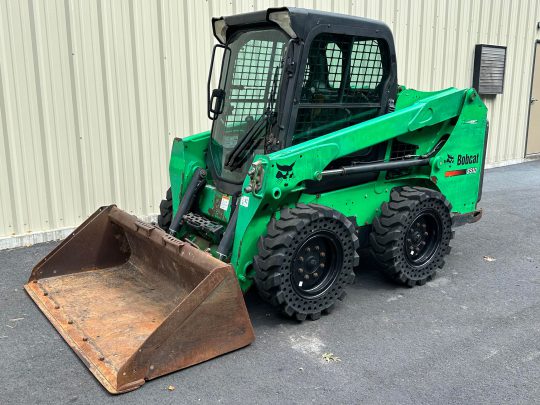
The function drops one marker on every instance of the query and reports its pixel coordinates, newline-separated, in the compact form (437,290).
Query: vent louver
(489,66)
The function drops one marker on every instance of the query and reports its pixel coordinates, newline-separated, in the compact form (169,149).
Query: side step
(208,229)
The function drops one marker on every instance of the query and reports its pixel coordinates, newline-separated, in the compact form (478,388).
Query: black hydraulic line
(197,182)
(225,246)
(376,167)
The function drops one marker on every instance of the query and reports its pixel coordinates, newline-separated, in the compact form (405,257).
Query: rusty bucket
(135,303)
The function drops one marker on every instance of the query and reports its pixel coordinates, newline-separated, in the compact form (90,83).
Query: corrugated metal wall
(93,91)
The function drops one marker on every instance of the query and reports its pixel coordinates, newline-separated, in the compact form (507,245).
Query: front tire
(412,235)
(165,212)
(306,259)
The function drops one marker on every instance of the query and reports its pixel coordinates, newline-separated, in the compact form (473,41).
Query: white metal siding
(92,92)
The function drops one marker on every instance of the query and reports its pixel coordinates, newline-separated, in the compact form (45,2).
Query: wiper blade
(250,139)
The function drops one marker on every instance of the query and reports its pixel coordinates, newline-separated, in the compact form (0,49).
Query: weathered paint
(134,303)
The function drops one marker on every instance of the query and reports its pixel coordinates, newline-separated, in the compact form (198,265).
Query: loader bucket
(135,303)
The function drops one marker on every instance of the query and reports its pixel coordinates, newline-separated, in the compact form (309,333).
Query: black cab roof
(297,22)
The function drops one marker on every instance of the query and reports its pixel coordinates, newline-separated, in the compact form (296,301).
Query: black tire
(306,260)
(412,234)
(165,212)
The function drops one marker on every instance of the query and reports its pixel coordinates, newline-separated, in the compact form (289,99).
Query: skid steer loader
(314,153)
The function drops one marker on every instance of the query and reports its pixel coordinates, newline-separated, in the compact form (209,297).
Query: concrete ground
(469,336)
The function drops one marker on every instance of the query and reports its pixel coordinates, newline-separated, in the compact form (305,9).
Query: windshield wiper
(251,138)
(247,143)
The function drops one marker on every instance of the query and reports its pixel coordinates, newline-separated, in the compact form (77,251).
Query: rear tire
(305,260)
(412,234)
(165,212)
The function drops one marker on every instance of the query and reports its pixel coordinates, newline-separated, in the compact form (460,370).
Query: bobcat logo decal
(449,159)
(284,171)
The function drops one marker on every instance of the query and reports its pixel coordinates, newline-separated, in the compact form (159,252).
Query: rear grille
(402,149)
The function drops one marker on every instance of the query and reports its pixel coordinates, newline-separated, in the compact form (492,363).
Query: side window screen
(366,65)
(323,74)
(334,59)
(343,83)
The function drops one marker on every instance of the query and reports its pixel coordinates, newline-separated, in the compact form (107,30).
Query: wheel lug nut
(426,234)
(321,265)
(317,247)
(315,274)
(323,254)
(308,250)
(301,258)
(424,226)
(306,277)
(300,270)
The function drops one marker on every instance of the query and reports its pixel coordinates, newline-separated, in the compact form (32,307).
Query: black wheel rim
(316,264)
(423,238)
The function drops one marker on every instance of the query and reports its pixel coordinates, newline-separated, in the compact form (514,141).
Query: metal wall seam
(93,92)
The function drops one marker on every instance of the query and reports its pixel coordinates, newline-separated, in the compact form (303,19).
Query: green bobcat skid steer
(314,153)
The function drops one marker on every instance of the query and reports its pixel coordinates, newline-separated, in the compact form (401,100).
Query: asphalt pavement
(472,335)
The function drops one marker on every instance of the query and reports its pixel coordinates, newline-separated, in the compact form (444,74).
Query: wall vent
(489,65)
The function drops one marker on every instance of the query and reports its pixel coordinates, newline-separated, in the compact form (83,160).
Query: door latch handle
(533,100)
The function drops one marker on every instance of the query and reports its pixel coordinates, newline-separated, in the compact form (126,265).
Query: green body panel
(362,202)
(186,156)
(420,118)
(212,203)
